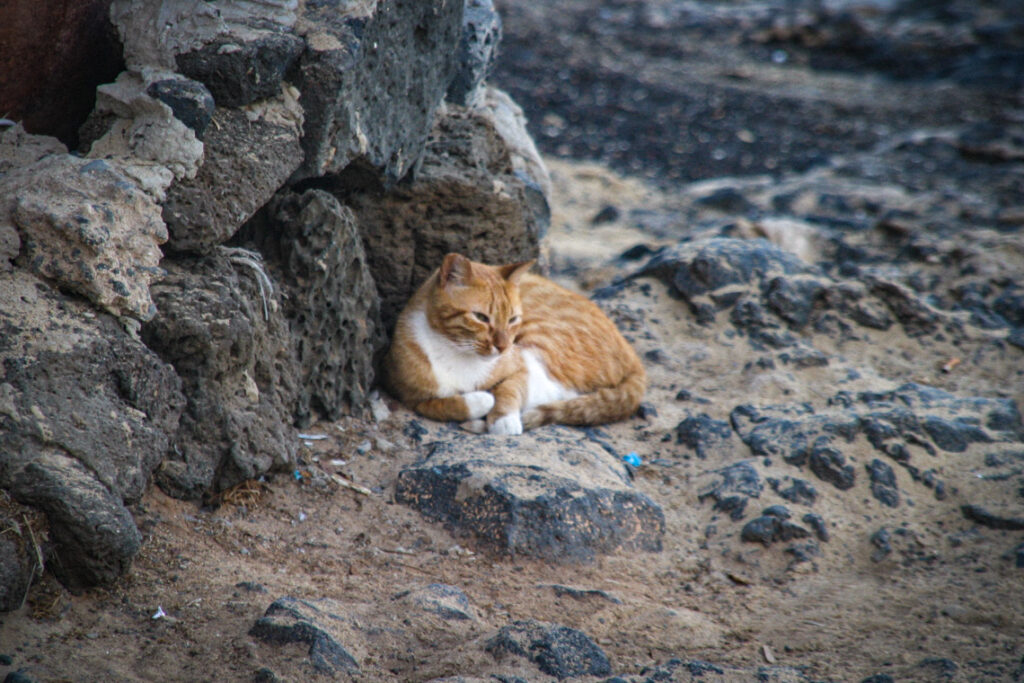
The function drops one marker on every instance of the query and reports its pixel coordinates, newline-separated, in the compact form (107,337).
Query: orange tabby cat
(503,350)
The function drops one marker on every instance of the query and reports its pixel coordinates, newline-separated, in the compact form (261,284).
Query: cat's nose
(501,341)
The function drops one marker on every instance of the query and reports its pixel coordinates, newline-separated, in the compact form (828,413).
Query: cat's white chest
(456,370)
(541,387)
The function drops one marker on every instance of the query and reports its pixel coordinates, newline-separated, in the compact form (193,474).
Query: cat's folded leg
(469,406)
(509,395)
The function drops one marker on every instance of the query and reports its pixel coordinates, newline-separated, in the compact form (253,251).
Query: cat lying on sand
(502,350)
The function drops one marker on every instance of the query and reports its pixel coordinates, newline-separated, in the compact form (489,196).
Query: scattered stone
(883,483)
(447,602)
(705,435)
(316,623)
(829,464)
(984,517)
(556,498)
(817,525)
(695,671)
(882,540)
(739,478)
(557,650)
(583,593)
(799,491)
(773,525)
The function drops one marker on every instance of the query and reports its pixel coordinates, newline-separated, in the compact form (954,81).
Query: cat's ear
(456,269)
(515,271)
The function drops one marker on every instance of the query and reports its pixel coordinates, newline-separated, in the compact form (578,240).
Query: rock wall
(210,267)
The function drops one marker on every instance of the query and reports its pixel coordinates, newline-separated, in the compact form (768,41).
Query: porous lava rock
(221,327)
(554,497)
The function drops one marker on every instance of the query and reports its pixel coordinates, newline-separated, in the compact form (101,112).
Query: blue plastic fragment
(632,459)
(298,475)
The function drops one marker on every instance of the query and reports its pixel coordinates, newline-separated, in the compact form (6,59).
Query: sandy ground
(950,591)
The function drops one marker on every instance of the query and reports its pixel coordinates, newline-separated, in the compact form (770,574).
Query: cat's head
(477,306)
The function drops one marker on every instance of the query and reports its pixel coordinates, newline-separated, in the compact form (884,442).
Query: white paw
(478,403)
(507,424)
(475,426)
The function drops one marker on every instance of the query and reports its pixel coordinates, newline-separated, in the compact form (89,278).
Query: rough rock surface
(313,248)
(221,327)
(252,151)
(84,225)
(557,650)
(551,499)
(289,620)
(488,212)
(74,382)
(371,78)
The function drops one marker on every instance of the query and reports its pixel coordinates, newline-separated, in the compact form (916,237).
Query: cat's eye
(481,317)
(513,320)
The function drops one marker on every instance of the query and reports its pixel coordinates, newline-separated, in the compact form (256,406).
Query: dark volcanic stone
(478,48)
(739,478)
(882,540)
(883,483)
(953,435)
(984,517)
(86,414)
(734,506)
(703,434)
(313,622)
(557,650)
(829,464)
(511,499)
(245,71)
(314,250)
(252,157)
(225,334)
(94,534)
(190,101)
(793,299)
(771,527)
(371,91)
(700,267)
(817,525)
(799,491)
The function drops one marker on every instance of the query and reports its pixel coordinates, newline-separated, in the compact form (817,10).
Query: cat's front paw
(507,424)
(478,403)
(475,426)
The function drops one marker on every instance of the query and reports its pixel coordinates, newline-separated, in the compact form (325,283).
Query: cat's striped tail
(609,404)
